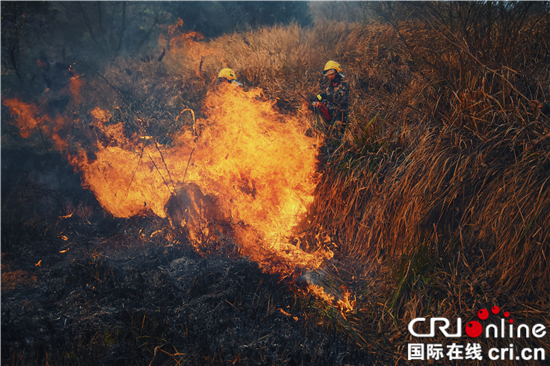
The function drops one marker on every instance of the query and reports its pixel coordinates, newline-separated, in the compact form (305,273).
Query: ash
(118,292)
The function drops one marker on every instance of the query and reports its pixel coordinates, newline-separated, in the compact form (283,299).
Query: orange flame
(27,119)
(185,50)
(344,305)
(75,83)
(254,169)
(256,164)
(245,170)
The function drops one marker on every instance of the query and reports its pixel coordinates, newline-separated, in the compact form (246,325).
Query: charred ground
(105,291)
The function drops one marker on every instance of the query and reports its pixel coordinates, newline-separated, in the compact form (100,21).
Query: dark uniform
(333,103)
(337,100)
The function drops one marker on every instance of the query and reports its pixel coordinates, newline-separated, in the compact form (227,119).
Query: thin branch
(156,167)
(165,165)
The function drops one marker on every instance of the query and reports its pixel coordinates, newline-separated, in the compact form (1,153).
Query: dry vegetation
(450,181)
(437,199)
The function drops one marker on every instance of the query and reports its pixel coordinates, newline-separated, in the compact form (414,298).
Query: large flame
(244,170)
(255,165)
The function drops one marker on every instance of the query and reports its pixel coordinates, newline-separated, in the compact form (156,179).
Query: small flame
(344,305)
(75,84)
(185,50)
(27,119)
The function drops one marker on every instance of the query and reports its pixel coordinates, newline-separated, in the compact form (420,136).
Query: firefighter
(333,102)
(228,76)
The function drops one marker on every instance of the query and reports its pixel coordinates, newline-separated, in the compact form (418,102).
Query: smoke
(96,33)
(340,11)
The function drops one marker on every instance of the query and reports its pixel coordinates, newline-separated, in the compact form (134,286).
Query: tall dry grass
(449,187)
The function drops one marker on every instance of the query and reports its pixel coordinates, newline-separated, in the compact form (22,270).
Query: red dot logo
(483,314)
(474,328)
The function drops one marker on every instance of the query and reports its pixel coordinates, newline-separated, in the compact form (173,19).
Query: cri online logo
(474,328)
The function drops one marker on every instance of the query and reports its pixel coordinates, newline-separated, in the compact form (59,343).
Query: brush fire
(244,171)
(173,198)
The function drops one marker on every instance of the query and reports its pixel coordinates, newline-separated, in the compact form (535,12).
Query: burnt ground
(90,289)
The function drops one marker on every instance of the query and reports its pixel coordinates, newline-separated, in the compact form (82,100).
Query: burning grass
(435,203)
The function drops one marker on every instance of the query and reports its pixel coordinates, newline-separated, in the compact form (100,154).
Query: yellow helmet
(332,65)
(228,74)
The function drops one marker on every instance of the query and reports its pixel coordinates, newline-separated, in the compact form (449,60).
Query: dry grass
(451,181)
